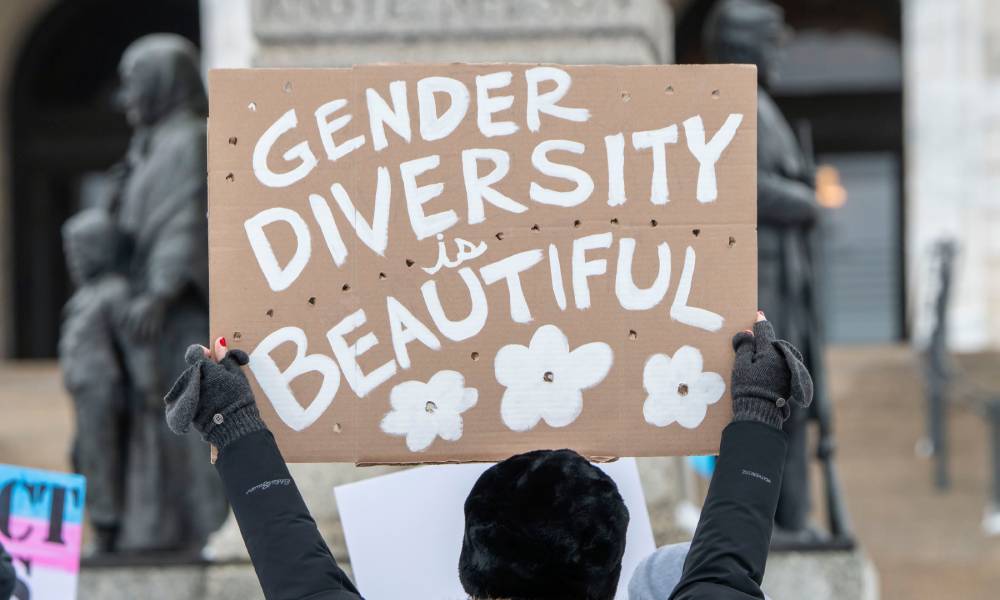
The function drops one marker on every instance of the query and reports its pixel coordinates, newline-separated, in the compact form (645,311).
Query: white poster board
(404,530)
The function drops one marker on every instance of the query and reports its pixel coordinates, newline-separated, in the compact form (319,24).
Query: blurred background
(896,101)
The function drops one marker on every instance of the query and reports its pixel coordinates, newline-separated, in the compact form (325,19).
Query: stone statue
(751,31)
(141,266)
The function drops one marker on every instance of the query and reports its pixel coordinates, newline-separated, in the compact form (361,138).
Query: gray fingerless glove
(768,375)
(214,397)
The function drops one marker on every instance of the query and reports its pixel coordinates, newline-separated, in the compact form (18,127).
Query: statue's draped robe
(173,498)
(786,213)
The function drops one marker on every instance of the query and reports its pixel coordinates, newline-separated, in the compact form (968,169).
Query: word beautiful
(589,254)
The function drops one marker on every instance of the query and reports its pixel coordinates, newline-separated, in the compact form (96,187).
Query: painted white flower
(422,411)
(545,380)
(678,389)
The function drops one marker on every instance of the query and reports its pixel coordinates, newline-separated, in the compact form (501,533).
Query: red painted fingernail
(222,342)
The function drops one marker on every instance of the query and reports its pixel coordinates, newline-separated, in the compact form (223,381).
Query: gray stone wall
(346,32)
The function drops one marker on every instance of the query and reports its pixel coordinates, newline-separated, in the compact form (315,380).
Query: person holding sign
(544,525)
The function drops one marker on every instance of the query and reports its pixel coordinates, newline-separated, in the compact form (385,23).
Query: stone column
(336,33)
(952,79)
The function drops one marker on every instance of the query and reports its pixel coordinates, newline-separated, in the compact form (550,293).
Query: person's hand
(214,396)
(768,375)
(143,318)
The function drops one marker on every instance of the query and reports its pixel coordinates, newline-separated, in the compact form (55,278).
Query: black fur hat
(545,525)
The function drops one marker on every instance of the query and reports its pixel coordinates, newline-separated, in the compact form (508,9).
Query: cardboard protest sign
(433,263)
(411,524)
(41,521)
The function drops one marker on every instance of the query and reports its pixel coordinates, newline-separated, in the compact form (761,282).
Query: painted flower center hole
(732,241)
(237,335)
(232,140)
(475,356)
(270,312)
(252,106)
(549,376)
(312,300)
(337,427)
(633,334)
(430,407)
(682,389)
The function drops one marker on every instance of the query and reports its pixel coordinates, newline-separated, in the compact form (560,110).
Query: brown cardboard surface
(611,420)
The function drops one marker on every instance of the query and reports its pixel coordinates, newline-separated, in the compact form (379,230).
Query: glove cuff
(227,426)
(760,410)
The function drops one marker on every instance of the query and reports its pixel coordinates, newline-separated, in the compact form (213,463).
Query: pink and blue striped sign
(41,520)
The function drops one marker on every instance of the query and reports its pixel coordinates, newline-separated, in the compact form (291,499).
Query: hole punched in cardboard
(232,140)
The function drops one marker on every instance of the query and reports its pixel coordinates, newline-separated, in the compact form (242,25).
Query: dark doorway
(65,132)
(841,88)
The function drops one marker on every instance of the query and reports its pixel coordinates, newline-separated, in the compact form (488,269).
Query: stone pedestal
(821,576)
(332,33)
(345,32)
(660,479)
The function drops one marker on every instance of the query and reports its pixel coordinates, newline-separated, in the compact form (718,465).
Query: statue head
(748,32)
(160,74)
(91,244)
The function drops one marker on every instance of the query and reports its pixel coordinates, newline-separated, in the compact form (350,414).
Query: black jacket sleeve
(729,550)
(291,559)
(785,202)
(7,577)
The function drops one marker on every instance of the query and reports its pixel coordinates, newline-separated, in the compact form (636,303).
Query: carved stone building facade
(346,32)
